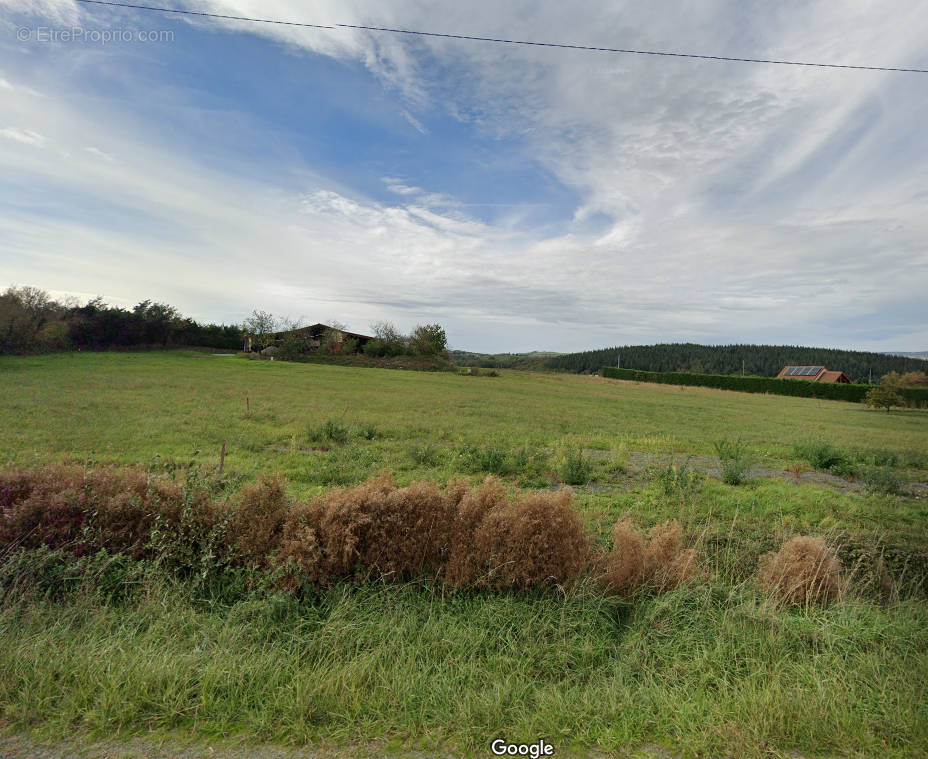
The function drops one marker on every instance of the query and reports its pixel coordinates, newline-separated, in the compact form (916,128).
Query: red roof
(812,374)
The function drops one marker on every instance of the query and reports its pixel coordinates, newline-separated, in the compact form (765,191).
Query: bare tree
(259,327)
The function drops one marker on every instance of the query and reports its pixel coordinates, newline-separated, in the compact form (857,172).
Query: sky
(525,198)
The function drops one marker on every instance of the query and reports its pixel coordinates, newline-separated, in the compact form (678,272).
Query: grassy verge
(712,669)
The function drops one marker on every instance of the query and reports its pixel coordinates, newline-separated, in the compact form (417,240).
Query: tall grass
(708,669)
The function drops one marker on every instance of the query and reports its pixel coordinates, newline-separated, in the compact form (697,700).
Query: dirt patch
(640,463)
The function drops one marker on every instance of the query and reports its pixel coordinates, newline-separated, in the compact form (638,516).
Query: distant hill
(532,360)
(761,360)
(923,355)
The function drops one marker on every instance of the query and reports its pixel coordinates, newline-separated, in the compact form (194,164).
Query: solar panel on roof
(810,370)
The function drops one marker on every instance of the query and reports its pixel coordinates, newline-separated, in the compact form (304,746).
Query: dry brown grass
(257,523)
(534,539)
(483,537)
(661,562)
(78,509)
(805,569)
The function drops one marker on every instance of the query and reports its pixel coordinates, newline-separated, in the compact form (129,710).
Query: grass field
(712,667)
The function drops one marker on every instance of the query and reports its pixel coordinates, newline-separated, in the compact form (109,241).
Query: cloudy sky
(525,198)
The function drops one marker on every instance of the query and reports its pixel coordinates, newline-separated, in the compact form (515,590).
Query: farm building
(311,338)
(812,373)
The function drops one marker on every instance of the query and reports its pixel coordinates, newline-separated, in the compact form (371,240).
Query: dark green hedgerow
(835,391)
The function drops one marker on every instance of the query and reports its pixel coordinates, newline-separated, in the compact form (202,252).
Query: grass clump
(329,431)
(827,458)
(575,468)
(882,480)
(804,570)
(485,459)
(733,457)
(425,454)
(679,484)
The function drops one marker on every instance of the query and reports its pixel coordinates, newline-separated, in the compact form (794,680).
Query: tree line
(291,339)
(32,322)
(757,360)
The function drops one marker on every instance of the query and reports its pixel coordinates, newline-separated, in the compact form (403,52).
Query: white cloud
(99,154)
(739,201)
(25,136)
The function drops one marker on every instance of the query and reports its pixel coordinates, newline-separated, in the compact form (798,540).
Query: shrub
(536,539)
(884,397)
(376,528)
(256,526)
(662,562)
(428,340)
(825,457)
(463,566)
(575,468)
(625,563)
(301,558)
(802,571)
(881,480)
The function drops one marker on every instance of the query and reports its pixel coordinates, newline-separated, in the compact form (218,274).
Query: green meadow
(712,668)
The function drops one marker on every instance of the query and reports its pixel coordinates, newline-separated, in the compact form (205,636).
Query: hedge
(834,391)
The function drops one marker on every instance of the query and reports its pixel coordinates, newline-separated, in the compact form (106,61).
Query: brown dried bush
(301,558)
(535,539)
(464,566)
(377,528)
(803,570)
(79,509)
(661,562)
(625,563)
(667,564)
(256,527)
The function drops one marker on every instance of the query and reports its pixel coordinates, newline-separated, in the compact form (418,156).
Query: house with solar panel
(812,373)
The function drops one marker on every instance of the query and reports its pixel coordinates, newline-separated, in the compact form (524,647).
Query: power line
(559,45)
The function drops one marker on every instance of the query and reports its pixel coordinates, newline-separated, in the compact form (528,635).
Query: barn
(311,337)
(812,374)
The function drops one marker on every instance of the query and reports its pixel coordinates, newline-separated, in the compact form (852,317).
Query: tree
(884,397)
(428,340)
(25,317)
(259,327)
(388,340)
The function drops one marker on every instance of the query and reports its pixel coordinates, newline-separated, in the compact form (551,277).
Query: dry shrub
(256,526)
(52,506)
(78,509)
(625,564)
(535,539)
(661,562)
(301,558)
(377,528)
(667,564)
(803,570)
(464,564)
